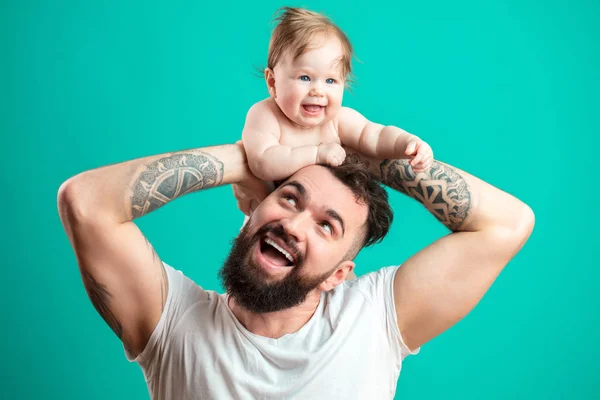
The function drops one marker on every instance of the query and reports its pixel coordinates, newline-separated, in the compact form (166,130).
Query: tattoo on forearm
(100,299)
(173,176)
(440,189)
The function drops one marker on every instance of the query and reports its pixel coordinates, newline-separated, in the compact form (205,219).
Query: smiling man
(289,325)
(303,237)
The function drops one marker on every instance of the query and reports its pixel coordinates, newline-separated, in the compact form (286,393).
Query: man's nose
(296,226)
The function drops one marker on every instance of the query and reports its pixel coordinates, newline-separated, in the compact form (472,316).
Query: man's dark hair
(357,177)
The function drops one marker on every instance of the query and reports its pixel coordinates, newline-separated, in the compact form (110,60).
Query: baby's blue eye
(305,78)
(330,81)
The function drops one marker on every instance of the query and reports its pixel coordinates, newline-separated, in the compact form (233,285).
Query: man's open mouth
(276,253)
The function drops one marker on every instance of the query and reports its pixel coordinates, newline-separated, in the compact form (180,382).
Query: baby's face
(310,89)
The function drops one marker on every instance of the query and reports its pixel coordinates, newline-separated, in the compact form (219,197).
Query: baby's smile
(312,109)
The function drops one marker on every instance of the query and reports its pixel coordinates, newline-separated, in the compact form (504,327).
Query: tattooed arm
(121,272)
(439,285)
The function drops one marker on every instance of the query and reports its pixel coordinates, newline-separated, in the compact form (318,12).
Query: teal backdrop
(507,90)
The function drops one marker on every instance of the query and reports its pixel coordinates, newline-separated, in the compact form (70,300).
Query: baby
(303,122)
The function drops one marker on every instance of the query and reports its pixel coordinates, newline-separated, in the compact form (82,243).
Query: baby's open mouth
(312,108)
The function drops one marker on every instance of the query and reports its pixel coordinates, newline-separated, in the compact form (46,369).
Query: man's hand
(250,193)
(420,153)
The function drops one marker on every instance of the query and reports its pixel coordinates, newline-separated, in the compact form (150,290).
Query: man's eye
(305,78)
(290,199)
(327,226)
(330,81)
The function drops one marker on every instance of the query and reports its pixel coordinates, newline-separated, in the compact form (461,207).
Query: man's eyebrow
(333,214)
(297,185)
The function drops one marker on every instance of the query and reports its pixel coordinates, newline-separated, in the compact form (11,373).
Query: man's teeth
(285,253)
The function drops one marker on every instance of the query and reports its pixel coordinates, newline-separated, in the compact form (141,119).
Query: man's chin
(257,289)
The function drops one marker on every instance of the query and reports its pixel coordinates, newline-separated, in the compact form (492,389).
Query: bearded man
(290,325)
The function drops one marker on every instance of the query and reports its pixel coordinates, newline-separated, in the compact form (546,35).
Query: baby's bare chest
(294,137)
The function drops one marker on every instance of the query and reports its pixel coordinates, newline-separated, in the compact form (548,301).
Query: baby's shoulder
(264,115)
(263,107)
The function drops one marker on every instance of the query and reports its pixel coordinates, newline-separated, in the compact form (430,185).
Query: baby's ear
(270,79)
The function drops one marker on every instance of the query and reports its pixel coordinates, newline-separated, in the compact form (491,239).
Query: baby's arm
(267,158)
(376,140)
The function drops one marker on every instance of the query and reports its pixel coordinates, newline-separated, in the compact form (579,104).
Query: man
(290,326)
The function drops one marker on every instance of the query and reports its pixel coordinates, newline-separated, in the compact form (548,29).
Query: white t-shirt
(351,347)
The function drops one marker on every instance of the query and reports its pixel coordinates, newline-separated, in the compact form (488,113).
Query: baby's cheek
(333,110)
(292,101)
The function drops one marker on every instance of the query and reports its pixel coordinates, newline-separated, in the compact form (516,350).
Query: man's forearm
(131,189)
(457,199)
(442,189)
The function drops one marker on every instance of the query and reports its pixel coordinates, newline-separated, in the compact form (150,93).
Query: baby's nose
(316,92)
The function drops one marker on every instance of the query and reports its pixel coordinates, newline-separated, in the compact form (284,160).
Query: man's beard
(248,284)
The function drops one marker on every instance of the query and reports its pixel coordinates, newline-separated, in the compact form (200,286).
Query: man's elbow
(69,202)
(512,237)
(525,224)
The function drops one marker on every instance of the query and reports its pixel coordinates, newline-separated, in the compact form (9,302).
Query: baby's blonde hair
(294,31)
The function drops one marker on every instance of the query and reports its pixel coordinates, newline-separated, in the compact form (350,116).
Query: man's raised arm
(439,285)
(121,272)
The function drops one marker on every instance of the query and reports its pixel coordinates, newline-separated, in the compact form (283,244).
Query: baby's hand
(421,154)
(330,153)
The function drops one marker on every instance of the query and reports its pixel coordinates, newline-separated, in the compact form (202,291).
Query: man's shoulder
(371,283)
(184,291)
(375,276)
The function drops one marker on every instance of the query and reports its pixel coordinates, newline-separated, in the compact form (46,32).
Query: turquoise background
(507,90)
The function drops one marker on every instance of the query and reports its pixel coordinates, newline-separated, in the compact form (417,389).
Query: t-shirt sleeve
(379,286)
(182,294)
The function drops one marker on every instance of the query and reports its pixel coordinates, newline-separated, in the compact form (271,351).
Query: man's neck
(277,324)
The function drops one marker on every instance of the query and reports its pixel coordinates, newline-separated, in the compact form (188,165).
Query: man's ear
(338,276)
(270,79)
